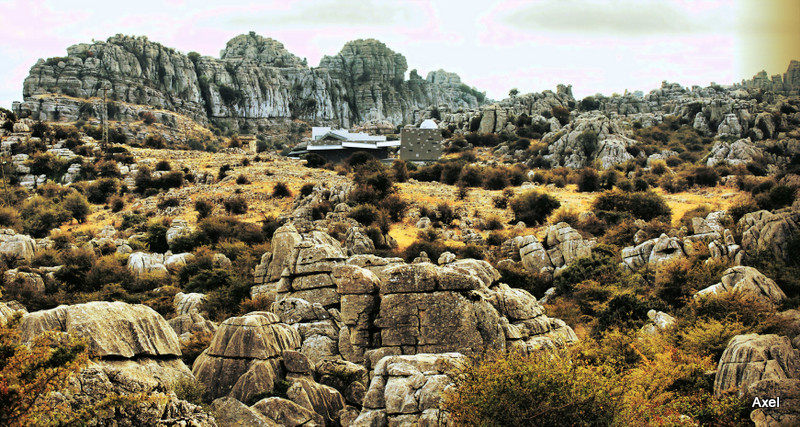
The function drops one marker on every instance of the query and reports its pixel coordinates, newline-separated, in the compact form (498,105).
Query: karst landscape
(612,260)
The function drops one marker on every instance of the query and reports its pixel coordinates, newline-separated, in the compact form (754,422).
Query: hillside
(629,260)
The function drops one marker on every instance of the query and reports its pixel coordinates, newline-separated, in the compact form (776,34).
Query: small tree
(533,207)
(77,205)
(513,92)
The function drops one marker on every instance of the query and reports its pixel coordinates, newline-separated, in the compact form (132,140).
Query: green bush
(281,190)
(544,388)
(533,207)
(40,215)
(77,205)
(235,205)
(588,180)
(615,205)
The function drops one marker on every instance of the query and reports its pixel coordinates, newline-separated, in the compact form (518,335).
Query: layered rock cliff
(254,80)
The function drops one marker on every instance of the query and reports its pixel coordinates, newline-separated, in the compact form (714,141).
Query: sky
(598,46)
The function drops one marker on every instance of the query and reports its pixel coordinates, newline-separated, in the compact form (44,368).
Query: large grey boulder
(751,358)
(141,263)
(772,232)
(407,390)
(20,246)
(111,329)
(739,152)
(243,358)
(561,246)
(750,283)
(25,281)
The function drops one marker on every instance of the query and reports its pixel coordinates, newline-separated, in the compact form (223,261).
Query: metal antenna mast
(105,120)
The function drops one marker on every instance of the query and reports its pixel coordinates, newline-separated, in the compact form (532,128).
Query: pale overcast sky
(603,46)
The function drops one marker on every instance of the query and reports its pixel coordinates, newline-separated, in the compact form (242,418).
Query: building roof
(428,124)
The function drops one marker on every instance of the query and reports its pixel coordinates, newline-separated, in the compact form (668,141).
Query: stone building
(423,144)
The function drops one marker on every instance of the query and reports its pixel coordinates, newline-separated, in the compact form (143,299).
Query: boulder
(141,263)
(10,309)
(406,389)
(191,324)
(20,246)
(767,231)
(750,283)
(230,412)
(111,329)
(356,242)
(186,303)
(286,413)
(23,281)
(179,228)
(751,358)
(244,356)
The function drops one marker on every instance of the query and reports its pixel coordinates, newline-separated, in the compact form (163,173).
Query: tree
(533,207)
(77,205)
(513,92)
(28,373)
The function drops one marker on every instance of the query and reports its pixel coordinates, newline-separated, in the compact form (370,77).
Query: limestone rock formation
(561,246)
(767,231)
(187,303)
(21,246)
(10,309)
(407,390)
(111,329)
(191,324)
(244,357)
(750,283)
(739,152)
(140,263)
(255,80)
(138,353)
(752,358)
(178,228)
(26,281)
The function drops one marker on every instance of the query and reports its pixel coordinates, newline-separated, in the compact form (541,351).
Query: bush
(533,207)
(588,180)
(242,180)
(314,160)
(561,114)
(40,215)
(204,208)
(164,166)
(100,190)
(395,206)
(77,205)
(157,237)
(235,205)
(703,176)
(281,190)
(365,214)
(614,205)
(513,390)
(117,204)
(306,189)
(9,218)
(169,202)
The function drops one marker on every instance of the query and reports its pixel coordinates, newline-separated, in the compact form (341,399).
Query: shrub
(100,190)
(242,180)
(281,190)
(169,202)
(703,176)
(77,205)
(204,208)
(117,204)
(614,205)
(365,214)
(516,276)
(76,264)
(148,117)
(588,142)
(395,206)
(561,114)
(400,171)
(314,160)
(588,180)
(235,205)
(9,218)
(163,165)
(513,390)
(306,189)
(533,207)
(40,215)
(156,238)
(195,345)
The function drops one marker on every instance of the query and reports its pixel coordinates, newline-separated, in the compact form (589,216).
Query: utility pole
(104,144)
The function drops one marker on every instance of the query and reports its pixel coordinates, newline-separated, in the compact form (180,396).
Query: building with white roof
(336,145)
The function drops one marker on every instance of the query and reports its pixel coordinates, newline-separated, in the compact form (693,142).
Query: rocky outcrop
(10,309)
(186,303)
(658,322)
(561,246)
(191,324)
(142,263)
(138,353)
(739,152)
(244,357)
(752,358)
(111,329)
(786,84)
(748,282)
(590,137)
(177,229)
(407,390)
(23,281)
(771,232)
(20,246)
(255,80)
